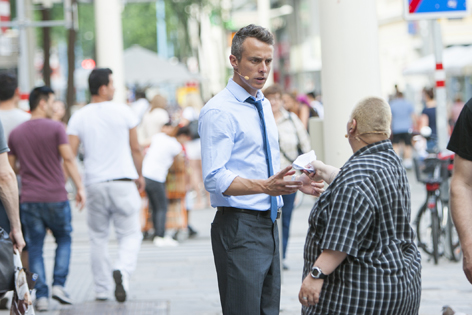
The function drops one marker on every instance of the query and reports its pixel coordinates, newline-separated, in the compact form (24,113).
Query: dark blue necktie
(273,200)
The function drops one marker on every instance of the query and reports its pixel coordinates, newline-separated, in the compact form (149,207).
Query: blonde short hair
(373,115)
(158,101)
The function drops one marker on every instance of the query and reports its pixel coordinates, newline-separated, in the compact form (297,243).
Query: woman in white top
(293,141)
(156,164)
(191,109)
(153,121)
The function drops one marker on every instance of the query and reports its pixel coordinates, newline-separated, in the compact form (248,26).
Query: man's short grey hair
(373,115)
(257,32)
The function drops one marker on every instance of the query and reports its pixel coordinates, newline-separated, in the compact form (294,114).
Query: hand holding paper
(303,162)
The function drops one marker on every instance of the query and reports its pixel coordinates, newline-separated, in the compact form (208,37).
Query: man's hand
(140,183)
(80,199)
(16,237)
(311,187)
(276,185)
(310,291)
(323,172)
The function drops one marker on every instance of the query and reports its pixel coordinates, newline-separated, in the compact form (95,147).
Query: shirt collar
(240,93)
(375,147)
(372,148)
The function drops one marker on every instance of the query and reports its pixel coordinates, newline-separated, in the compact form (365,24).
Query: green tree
(139,25)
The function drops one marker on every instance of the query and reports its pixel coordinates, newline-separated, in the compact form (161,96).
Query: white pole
(263,12)
(161,29)
(23,60)
(440,78)
(109,42)
(350,58)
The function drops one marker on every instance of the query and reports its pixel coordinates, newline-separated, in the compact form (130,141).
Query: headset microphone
(243,76)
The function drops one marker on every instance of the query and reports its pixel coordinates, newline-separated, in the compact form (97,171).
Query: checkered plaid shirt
(365,212)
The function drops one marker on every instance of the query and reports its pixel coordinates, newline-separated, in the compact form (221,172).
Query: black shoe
(3,303)
(191,232)
(147,236)
(120,291)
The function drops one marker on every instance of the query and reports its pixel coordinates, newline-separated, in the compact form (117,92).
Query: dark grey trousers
(156,192)
(247,260)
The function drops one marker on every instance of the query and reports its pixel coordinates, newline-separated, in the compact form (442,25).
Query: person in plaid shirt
(360,256)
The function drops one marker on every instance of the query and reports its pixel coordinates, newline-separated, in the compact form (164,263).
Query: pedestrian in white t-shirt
(10,115)
(158,160)
(141,106)
(112,162)
(315,104)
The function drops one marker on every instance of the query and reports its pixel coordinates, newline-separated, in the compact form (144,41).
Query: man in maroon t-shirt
(40,145)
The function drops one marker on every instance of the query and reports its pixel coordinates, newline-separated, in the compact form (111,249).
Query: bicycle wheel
(423,230)
(452,238)
(435,232)
(428,231)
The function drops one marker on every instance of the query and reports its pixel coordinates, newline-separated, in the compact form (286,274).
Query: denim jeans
(286,218)
(36,217)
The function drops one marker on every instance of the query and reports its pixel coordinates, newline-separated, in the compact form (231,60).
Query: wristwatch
(316,273)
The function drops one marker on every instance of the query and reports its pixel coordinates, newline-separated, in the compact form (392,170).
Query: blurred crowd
(161,121)
(409,135)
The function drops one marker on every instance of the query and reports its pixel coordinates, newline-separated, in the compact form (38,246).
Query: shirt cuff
(223,182)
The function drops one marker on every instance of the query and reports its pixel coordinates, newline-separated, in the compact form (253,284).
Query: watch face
(315,272)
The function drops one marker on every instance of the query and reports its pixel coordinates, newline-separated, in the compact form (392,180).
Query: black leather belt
(265,214)
(119,180)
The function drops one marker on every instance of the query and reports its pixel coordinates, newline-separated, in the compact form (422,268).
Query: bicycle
(435,230)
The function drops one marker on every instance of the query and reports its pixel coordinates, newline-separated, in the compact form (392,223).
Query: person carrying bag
(7,268)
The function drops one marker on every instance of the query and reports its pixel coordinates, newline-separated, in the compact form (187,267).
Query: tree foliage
(139,24)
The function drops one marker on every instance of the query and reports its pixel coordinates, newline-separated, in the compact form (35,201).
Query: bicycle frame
(436,205)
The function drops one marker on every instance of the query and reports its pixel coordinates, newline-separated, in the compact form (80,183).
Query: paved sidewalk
(182,280)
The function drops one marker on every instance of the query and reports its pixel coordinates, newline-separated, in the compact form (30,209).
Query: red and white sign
(88,64)
(4,12)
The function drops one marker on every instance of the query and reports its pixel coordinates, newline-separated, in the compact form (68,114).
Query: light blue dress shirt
(233,145)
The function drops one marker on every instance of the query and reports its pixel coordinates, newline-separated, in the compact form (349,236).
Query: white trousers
(116,201)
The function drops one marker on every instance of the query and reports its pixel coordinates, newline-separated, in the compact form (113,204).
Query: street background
(182,280)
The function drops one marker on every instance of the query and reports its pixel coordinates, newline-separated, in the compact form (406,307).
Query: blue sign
(435,9)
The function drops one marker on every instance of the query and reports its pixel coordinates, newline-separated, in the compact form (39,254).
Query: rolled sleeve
(347,221)
(217,140)
(3,141)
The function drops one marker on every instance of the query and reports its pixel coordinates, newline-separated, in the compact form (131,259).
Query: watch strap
(321,275)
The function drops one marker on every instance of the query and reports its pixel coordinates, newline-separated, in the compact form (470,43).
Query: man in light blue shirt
(403,118)
(240,155)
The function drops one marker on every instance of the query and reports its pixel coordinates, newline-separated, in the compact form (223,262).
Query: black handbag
(7,268)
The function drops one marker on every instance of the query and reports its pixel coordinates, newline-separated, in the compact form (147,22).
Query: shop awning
(457,61)
(144,67)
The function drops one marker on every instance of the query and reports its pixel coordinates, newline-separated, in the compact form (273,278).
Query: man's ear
(353,128)
(42,104)
(101,90)
(234,61)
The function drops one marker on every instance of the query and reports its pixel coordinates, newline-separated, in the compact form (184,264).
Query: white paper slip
(304,160)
